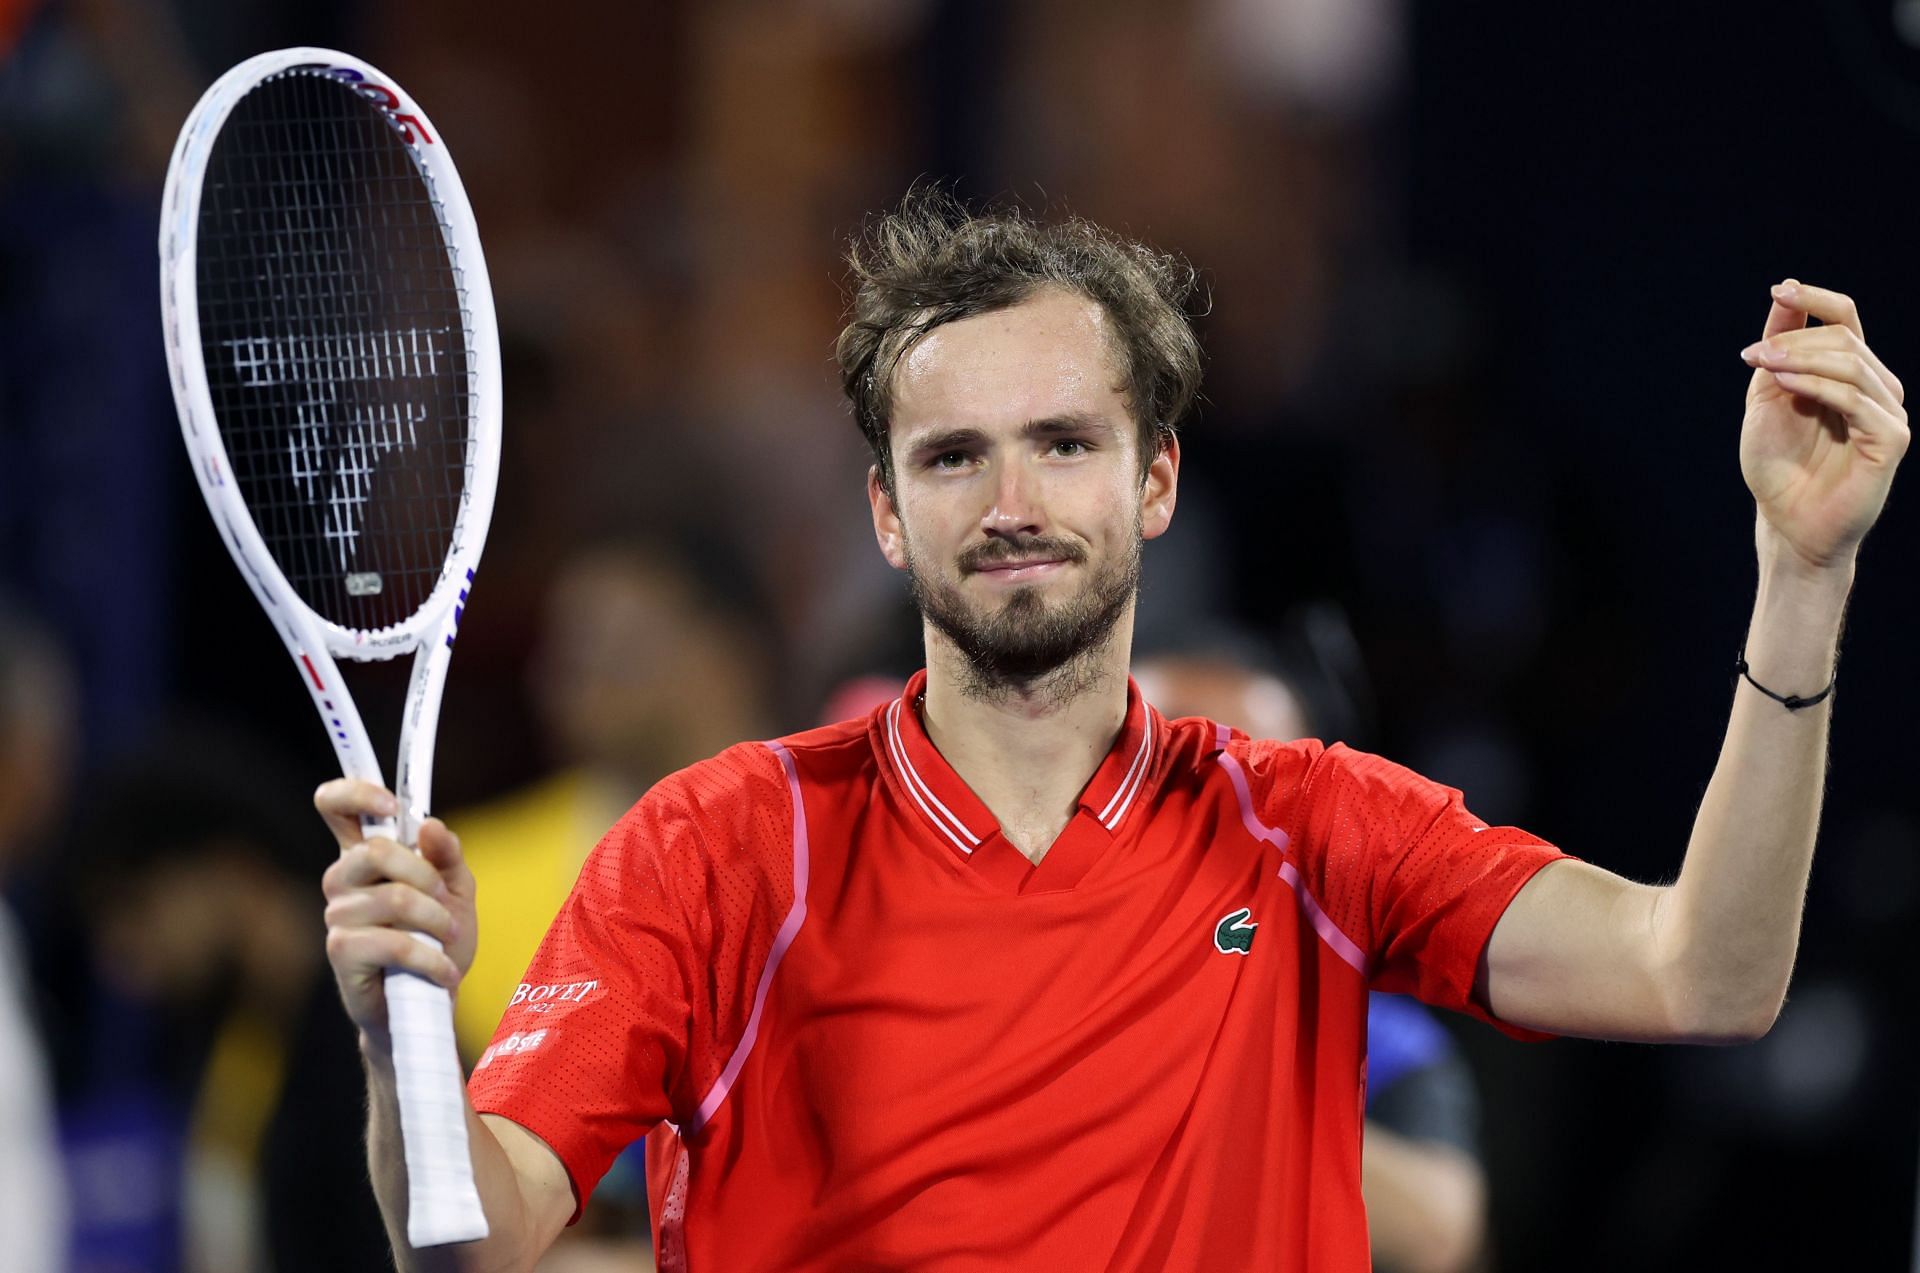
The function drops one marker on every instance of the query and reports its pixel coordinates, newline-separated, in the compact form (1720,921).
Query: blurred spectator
(37,724)
(197,895)
(1421,1174)
(640,668)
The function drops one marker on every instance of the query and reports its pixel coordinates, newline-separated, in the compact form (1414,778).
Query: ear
(1160,489)
(886,521)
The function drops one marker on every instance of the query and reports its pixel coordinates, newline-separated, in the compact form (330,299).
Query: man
(1017,974)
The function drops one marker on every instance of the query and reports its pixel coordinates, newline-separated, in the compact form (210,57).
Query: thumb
(1783,318)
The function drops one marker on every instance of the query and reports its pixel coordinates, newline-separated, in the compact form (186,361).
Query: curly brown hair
(932,261)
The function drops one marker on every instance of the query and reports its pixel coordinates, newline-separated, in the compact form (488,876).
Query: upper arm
(1577,952)
(546,1193)
(1401,867)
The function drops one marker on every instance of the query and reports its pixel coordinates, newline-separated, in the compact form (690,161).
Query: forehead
(1052,355)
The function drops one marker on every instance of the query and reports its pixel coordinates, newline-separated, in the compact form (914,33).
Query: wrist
(376,1052)
(1806,600)
(1793,638)
(1785,566)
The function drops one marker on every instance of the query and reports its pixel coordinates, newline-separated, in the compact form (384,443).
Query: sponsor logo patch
(512,1045)
(542,998)
(1233,935)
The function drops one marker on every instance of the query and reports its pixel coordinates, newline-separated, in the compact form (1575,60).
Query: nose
(1016,508)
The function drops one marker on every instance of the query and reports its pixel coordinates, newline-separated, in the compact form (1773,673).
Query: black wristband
(1792,702)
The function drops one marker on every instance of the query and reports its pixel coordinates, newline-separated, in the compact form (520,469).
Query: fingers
(1834,353)
(377,861)
(1782,317)
(392,906)
(389,907)
(441,848)
(1804,300)
(361,958)
(1864,416)
(343,802)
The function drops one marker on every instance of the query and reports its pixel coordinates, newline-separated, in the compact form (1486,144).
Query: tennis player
(1015,973)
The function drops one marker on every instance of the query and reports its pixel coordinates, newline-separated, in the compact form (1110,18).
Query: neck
(1028,749)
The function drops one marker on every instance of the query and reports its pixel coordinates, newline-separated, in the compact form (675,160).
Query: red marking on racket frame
(412,127)
(308,664)
(409,124)
(390,102)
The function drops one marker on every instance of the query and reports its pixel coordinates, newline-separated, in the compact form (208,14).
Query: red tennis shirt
(862,1031)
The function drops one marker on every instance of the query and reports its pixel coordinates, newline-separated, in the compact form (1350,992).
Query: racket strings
(335,336)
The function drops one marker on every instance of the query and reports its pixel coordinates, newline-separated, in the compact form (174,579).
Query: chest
(914,1008)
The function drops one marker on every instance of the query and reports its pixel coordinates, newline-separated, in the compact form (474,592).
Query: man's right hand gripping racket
(331,339)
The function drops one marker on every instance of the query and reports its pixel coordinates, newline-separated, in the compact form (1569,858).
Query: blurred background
(1479,276)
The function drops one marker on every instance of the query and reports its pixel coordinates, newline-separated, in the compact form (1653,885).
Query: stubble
(1026,647)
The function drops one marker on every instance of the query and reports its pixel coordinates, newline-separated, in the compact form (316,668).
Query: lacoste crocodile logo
(1233,935)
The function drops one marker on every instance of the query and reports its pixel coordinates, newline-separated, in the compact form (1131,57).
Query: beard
(1027,645)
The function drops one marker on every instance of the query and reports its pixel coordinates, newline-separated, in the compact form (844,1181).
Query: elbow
(1711,995)
(1754,1023)
(1730,1031)
(1727,1016)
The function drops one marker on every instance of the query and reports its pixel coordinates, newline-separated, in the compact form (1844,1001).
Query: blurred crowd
(1389,529)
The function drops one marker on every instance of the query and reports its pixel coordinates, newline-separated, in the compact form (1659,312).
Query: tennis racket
(331,340)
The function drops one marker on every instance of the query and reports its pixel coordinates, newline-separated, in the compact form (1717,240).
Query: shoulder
(839,752)
(1273,773)
(745,795)
(1312,767)
(1209,749)
(745,780)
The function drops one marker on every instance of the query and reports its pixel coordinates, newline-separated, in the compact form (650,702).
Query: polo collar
(960,818)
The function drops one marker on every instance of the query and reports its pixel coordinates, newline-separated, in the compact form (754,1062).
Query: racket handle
(442,1203)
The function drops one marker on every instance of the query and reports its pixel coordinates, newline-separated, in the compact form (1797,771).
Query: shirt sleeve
(1402,868)
(644,981)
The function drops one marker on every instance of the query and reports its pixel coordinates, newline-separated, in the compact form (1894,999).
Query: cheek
(931,526)
(1107,513)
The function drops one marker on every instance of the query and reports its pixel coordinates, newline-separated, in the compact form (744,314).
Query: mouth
(1022,571)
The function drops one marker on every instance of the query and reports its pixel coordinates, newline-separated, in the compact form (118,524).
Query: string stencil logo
(372,433)
(333,463)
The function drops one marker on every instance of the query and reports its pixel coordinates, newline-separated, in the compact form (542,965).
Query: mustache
(997,552)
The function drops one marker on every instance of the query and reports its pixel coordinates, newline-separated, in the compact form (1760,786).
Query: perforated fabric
(1147,1057)
(642,988)
(1397,863)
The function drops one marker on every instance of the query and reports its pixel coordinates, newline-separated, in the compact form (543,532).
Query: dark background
(1477,294)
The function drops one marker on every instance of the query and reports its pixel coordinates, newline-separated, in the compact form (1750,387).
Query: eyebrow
(1073,422)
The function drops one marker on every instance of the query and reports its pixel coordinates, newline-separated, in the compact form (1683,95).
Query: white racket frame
(443,1205)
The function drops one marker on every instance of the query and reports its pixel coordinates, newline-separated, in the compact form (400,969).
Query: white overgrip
(443,1204)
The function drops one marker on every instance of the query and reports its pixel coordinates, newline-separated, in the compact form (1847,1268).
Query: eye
(1069,447)
(949,459)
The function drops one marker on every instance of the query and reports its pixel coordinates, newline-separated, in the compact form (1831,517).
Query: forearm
(509,1244)
(1728,928)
